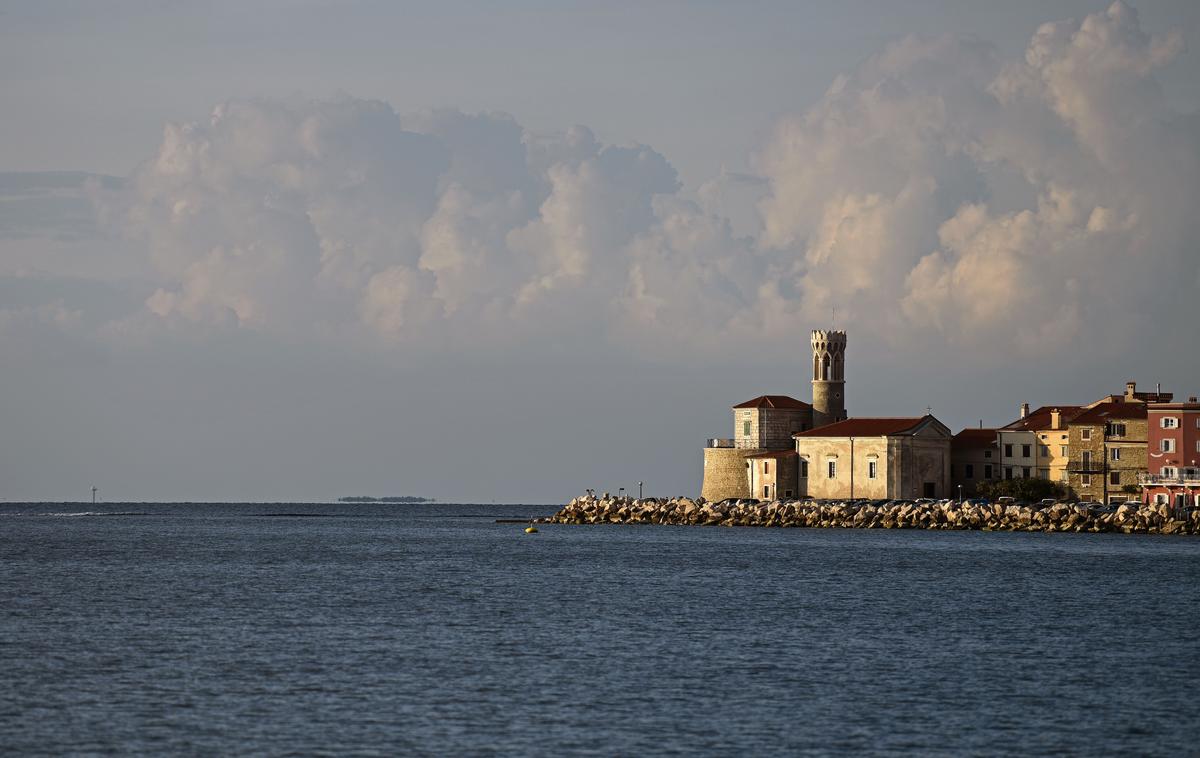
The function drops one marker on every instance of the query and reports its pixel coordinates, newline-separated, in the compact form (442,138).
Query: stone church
(784,448)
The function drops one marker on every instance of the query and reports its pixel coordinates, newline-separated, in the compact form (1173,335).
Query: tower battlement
(828,337)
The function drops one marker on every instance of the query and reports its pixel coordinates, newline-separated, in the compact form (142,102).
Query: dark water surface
(222,629)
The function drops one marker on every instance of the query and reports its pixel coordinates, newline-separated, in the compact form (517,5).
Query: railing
(719,442)
(1079,466)
(1190,478)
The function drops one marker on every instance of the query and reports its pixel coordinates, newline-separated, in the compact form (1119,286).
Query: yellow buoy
(531,530)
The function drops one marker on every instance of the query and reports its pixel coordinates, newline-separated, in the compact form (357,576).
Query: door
(930,489)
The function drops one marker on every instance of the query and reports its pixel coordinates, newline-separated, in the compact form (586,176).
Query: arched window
(837,367)
(816,366)
(825,367)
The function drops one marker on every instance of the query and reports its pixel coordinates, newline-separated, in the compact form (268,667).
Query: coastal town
(1136,446)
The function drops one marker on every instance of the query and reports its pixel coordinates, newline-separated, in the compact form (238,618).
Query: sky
(508,251)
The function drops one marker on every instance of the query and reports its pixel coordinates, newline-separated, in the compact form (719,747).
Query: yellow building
(876,459)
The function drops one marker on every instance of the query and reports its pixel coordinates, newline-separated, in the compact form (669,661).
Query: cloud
(1002,205)
(1012,206)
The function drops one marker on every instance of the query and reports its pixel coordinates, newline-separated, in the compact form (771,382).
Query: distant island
(404,499)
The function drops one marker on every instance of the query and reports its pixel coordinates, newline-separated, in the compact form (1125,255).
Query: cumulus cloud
(937,188)
(1015,205)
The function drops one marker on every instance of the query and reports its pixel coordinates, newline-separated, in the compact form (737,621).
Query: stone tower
(829,376)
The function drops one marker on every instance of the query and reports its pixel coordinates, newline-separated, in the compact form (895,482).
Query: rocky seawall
(1061,517)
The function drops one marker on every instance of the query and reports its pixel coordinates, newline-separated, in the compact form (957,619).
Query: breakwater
(1060,517)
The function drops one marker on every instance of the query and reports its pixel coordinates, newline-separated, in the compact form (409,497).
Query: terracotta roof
(774,401)
(1109,411)
(972,437)
(774,454)
(866,427)
(1040,419)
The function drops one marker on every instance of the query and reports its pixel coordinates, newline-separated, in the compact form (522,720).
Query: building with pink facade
(1173,453)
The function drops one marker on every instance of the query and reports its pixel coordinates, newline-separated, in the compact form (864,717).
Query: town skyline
(257,252)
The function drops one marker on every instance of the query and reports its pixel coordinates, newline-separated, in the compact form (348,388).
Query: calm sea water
(298,629)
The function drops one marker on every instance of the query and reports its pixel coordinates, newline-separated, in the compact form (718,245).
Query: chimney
(981,420)
(1056,419)
(1130,389)
(1024,410)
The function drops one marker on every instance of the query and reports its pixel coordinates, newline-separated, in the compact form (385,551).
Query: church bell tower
(829,378)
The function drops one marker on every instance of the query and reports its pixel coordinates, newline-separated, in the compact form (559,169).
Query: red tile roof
(866,427)
(1108,411)
(774,401)
(1040,419)
(972,437)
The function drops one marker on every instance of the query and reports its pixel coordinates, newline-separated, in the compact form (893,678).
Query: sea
(314,629)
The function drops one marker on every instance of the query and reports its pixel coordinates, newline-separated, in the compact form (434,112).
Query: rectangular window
(766,490)
(1198,446)
(1115,454)
(832,473)
(987,453)
(1087,459)
(787,493)
(1168,446)
(1044,451)
(1085,434)
(987,471)
(1170,422)
(766,467)
(1114,477)
(1008,472)
(1066,476)
(746,428)
(872,469)
(1116,430)
(1168,472)
(1026,451)
(1085,480)
(1008,450)
(803,468)
(1024,472)
(1064,450)
(970,471)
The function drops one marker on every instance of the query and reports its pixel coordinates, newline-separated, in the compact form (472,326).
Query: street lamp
(960,494)
(621,492)
(639,490)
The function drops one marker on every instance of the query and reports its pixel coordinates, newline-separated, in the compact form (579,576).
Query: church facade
(784,448)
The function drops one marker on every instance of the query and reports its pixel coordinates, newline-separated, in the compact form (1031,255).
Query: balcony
(1182,479)
(719,442)
(1080,466)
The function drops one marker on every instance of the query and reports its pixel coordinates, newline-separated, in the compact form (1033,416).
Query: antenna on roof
(928,410)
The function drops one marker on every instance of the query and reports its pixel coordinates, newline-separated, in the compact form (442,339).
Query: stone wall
(770,428)
(1133,461)
(725,474)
